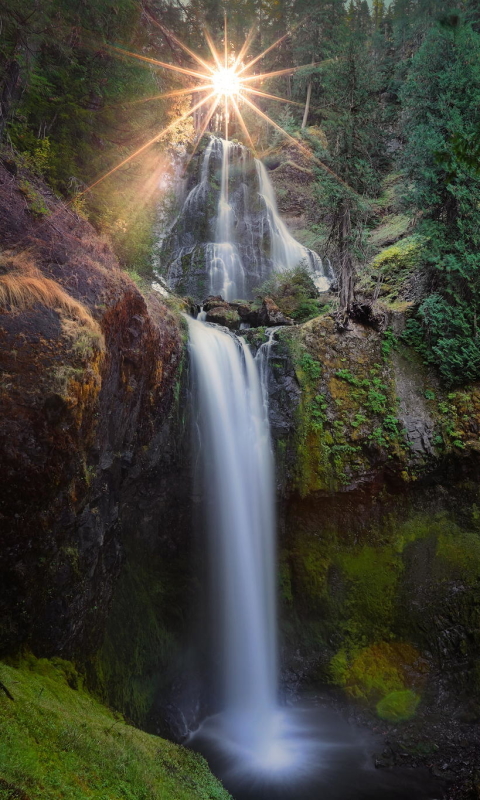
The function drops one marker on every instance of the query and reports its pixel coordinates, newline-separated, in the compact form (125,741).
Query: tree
(441,120)
(356,152)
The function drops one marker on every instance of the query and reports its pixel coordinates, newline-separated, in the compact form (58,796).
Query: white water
(247,240)
(237,465)
(286,252)
(224,265)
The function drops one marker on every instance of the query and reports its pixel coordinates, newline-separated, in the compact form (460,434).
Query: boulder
(224,315)
(269,314)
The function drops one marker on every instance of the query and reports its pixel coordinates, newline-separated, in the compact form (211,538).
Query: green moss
(58,742)
(141,643)
(398,706)
(391,229)
(458,556)
(311,561)
(374,672)
(372,576)
(35,201)
(400,257)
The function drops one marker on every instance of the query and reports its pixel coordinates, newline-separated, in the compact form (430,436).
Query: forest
(240,399)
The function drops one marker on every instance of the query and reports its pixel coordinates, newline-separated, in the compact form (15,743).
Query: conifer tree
(441,121)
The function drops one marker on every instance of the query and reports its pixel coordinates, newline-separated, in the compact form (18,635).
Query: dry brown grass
(23,286)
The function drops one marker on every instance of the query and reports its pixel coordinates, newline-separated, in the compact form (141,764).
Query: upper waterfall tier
(228,237)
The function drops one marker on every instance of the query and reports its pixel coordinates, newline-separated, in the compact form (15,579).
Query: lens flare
(226,86)
(226,82)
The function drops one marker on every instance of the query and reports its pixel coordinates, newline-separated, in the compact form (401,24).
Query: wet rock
(225,316)
(215,301)
(270,314)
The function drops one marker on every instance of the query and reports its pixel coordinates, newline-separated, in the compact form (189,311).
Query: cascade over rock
(228,236)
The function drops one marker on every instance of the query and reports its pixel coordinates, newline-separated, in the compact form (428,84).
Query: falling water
(223,262)
(286,253)
(237,458)
(229,237)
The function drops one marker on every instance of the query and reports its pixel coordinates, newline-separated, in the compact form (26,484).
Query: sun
(224,81)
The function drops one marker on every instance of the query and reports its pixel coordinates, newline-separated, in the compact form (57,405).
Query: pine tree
(441,120)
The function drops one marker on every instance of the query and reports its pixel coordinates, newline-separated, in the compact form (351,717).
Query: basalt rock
(95,484)
(270,314)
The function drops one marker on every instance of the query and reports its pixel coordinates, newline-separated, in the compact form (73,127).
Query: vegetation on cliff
(57,741)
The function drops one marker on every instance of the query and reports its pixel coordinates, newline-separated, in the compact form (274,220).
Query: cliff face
(378,478)
(91,371)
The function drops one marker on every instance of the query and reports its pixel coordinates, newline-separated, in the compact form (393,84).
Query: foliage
(70,114)
(57,741)
(294,292)
(441,101)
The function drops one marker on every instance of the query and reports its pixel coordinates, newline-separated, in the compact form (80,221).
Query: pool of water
(309,753)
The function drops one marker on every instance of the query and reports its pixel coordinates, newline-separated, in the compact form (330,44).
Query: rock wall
(378,475)
(95,499)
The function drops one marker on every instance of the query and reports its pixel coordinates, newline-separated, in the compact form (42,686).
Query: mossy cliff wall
(95,505)
(378,474)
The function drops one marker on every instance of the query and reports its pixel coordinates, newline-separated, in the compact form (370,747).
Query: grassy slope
(58,742)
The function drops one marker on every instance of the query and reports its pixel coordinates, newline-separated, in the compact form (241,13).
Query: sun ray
(213,50)
(155,62)
(264,75)
(272,96)
(225,38)
(243,126)
(297,144)
(167,32)
(251,35)
(257,58)
(176,93)
(205,123)
(286,71)
(278,41)
(148,144)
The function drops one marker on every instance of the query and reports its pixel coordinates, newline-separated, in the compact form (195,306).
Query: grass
(58,743)
(23,286)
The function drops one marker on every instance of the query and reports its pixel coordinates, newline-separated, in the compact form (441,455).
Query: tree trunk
(8,92)
(347,270)
(307,101)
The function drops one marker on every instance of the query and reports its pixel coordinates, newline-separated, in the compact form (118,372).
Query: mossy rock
(398,706)
(378,670)
(404,256)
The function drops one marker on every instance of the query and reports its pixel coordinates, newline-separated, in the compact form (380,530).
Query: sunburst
(224,82)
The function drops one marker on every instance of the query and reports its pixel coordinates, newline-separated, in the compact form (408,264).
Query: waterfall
(229,237)
(237,466)
(223,263)
(286,253)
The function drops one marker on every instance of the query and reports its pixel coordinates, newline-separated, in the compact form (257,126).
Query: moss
(35,201)
(391,229)
(311,561)
(375,673)
(400,257)
(458,556)
(398,706)
(141,643)
(347,412)
(57,741)
(372,576)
